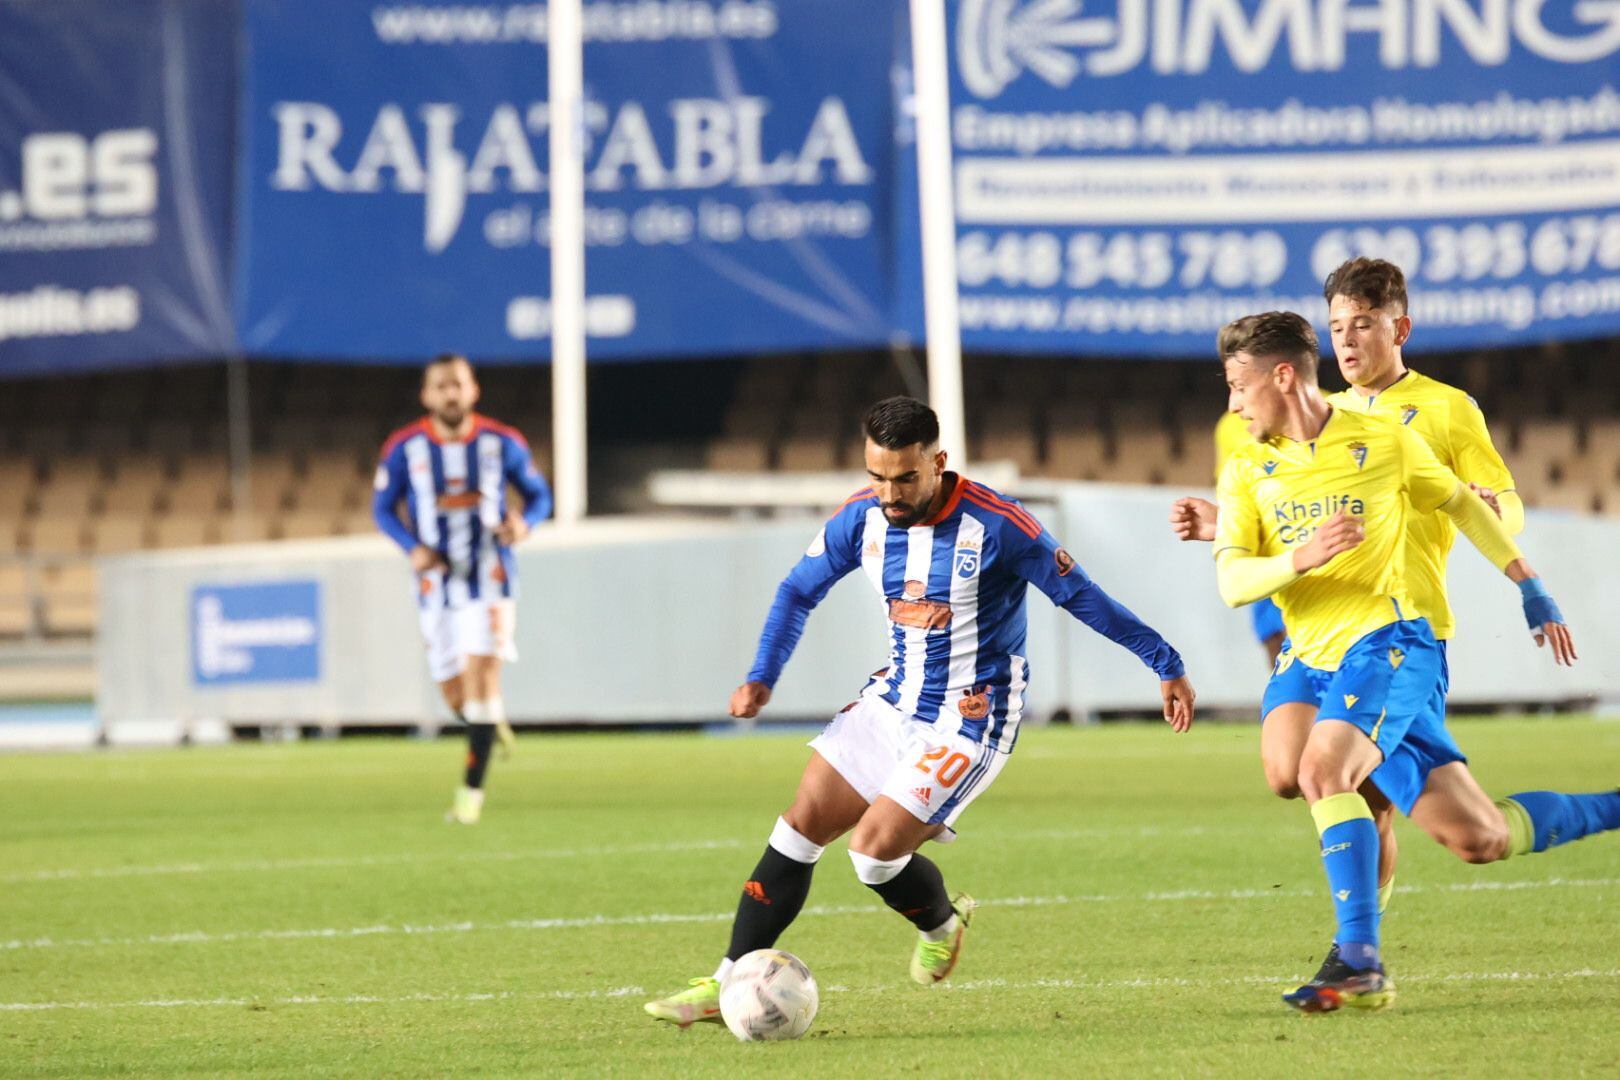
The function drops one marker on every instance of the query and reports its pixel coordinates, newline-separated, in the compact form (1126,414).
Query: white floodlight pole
(565,72)
(931,94)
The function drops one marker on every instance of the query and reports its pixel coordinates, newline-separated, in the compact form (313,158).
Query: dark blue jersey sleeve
(390,487)
(1047,566)
(833,553)
(522,474)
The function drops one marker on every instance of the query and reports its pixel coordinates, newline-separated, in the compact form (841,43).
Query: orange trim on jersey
(959,484)
(415,428)
(1007,504)
(1026,524)
(484,422)
(864,493)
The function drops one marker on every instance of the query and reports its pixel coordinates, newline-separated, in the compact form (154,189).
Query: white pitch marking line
(326,862)
(204,937)
(317,862)
(1146,983)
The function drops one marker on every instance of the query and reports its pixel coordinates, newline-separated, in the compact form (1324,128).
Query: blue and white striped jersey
(455,495)
(954,588)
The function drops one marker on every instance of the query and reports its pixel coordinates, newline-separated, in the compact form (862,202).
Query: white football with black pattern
(768,994)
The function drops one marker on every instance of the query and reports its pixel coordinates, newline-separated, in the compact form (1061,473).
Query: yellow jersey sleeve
(1429,484)
(1477,460)
(1237,528)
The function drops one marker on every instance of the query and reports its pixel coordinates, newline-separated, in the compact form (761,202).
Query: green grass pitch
(303,910)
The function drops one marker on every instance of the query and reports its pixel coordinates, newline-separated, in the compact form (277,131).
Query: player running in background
(952,560)
(451,469)
(1315,512)
(1230,433)
(1369,323)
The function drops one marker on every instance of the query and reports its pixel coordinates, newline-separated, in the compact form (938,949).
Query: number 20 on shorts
(950,769)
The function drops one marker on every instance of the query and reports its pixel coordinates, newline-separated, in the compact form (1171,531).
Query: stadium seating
(91,465)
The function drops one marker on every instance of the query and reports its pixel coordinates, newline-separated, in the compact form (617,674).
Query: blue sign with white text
(265,632)
(115,160)
(1132,174)
(393,183)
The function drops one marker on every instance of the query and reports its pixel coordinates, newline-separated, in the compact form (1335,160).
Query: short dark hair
(898,422)
(1376,282)
(446,358)
(1272,337)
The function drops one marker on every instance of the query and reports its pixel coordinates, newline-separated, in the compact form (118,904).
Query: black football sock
(918,893)
(480,738)
(774,893)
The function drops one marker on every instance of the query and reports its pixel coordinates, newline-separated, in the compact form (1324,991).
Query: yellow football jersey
(1275,494)
(1231,432)
(1453,426)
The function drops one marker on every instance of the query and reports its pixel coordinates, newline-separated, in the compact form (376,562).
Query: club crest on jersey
(915,590)
(1358,450)
(967,561)
(1270,467)
(1409,414)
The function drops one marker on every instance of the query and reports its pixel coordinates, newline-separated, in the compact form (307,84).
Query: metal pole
(932,97)
(565,53)
(239,441)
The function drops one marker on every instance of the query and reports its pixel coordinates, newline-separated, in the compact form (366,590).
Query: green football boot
(699,1003)
(934,960)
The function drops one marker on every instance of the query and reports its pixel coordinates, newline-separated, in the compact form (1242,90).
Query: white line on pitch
(320,862)
(336,861)
(970,986)
(204,937)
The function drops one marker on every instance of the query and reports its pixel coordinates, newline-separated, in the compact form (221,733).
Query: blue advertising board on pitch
(1131,174)
(263,632)
(393,183)
(115,160)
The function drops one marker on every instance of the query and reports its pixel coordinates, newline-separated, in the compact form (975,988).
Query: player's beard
(450,416)
(913,514)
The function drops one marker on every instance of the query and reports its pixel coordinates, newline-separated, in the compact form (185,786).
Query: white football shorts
(930,771)
(474,628)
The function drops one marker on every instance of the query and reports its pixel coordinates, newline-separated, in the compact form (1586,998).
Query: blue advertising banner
(115,128)
(1131,174)
(265,632)
(393,195)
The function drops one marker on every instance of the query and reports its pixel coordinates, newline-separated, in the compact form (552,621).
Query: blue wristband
(1539,606)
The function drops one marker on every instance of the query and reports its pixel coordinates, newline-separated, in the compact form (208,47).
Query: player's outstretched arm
(1192,518)
(1244,578)
(1119,624)
(1051,569)
(1487,532)
(831,555)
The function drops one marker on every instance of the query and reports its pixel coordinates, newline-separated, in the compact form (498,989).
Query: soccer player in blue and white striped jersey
(952,560)
(450,470)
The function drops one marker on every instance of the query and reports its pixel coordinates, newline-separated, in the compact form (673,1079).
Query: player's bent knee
(872,871)
(879,843)
(1284,783)
(1321,776)
(812,826)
